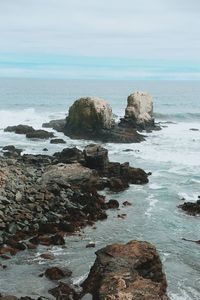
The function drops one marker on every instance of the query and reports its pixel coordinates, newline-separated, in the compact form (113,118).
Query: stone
(19,129)
(69,155)
(57,125)
(49,256)
(55,273)
(139,111)
(90,245)
(191,208)
(40,134)
(113,204)
(130,271)
(96,157)
(57,141)
(64,291)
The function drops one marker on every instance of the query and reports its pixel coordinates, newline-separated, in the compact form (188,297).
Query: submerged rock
(19,129)
(130,271)
(57,141)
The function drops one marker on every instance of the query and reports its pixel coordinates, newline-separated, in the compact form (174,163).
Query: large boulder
(139,111)
(88,117)
(130,271)
(96,157)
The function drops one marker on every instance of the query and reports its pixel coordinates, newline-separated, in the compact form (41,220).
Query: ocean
(172,155)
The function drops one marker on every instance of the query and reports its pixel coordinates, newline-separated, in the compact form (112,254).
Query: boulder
(19,129)
(191,208)
(130,271)
(64,174)
(55,273)
(96,157)
(139,111)
(69,155)
(57,141)
(40,134)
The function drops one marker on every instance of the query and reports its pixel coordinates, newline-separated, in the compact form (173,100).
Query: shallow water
(172,155)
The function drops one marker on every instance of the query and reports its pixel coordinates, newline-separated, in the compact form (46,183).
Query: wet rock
(194,129)
(69,155)
(191,208)
(112,203)
(130,271)
(57,125)
(19,129)
(55,273)
(57,141)
(96,157)
(117,185)
(8,297)
(39,134)
(90,245)
(49,256)
(127,203)
(64,291)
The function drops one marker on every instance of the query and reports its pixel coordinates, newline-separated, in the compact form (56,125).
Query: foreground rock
(131,271)
(139,111)
(191,208)
(91,118)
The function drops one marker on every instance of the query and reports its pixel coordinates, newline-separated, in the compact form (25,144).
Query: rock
(90,245)
(127,203)
(8,297)
(191,208)
(19,129)
(69,155)
(87,117)
(112,203)
(49,256)
(40,134)
(45,149)
(194,129)
(117,185)
(57,125)
(55,273)
(139,111)
(130,271)
(96,157)
(71,173)
(57,141)
(64,291)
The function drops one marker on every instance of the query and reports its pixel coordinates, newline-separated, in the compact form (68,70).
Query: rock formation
(131,271)
(139,111)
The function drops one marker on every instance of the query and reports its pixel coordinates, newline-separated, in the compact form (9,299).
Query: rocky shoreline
(45,198)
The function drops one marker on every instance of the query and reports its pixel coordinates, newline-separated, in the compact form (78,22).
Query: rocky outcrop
(91,118)
(139,111)
(191,208)
(57,141)
(57,125)
(131,271)
(19,129)
(30,132)
(39,134)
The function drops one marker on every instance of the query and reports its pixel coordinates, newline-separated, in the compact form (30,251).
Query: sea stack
(139,111)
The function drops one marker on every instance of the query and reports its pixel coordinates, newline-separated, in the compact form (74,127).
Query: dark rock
(55,273)
(19,129)
(90,245)
(64,291)
(191,208)
(49,256)
(45,149)
(112,203)
(194,129)
(127,203)
(66,226)
(69,155)
(57,125)
(57,239)
(117,185)
(131,271)
(96,157)
(39,134)
(57,141)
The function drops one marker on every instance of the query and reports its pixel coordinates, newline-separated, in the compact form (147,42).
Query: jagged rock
(64,291)
(96,157)
(55,273)
(130,271)
(69,155)
(191,208)
(139,111)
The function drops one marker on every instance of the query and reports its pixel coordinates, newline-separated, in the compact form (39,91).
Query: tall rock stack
(139,111)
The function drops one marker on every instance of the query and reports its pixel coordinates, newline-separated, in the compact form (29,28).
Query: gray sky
(145,29)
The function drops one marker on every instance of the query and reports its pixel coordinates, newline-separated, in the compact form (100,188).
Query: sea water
(172,155)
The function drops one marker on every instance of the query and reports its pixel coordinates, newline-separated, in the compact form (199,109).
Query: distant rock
(19,129)
(191,208)
(139,111)
(40,134)
(130,271)
(194,129)
(57,141)
(57,125)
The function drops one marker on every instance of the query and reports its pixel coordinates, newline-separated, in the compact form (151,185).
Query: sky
(107,39)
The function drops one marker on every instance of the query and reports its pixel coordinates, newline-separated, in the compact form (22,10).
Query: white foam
(152,202)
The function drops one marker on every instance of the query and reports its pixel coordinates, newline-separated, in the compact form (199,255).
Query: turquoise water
(172,155)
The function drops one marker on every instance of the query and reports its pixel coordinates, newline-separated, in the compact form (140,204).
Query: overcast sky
(159,32)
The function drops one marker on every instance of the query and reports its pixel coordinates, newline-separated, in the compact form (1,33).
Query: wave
(177,116)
